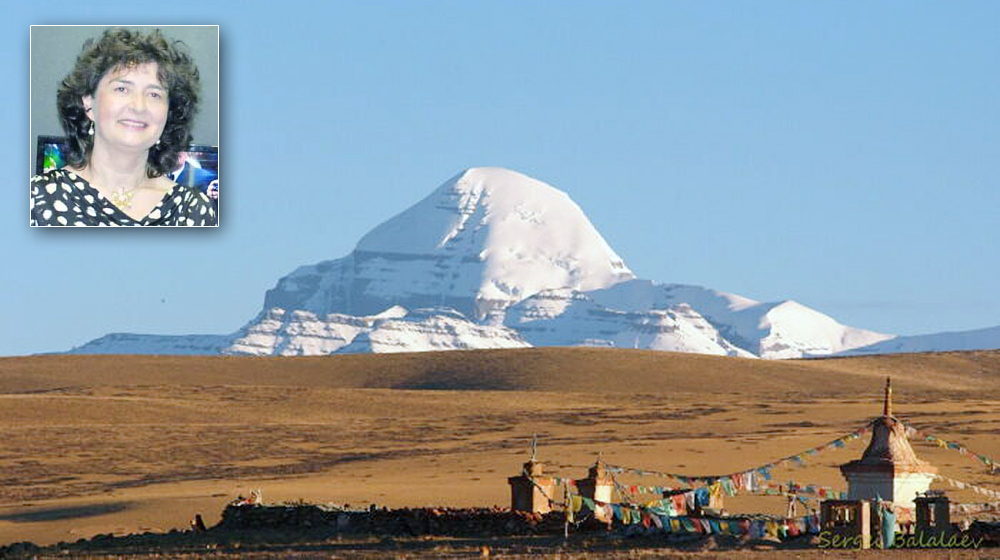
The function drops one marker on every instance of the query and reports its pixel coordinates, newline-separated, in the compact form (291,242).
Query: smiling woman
(127,108)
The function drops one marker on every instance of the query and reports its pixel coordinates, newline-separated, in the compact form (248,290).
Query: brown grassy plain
(122,444)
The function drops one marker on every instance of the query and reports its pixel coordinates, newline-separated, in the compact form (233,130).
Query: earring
(157,141)
(91,131)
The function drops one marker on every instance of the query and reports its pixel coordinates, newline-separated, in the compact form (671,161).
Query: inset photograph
(124,126)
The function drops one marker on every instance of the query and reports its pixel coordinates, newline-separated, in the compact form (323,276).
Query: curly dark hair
(122,48)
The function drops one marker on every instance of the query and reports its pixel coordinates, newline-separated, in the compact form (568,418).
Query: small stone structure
(933,515)
(847,520)
(598,486)
(531,490)
(888,470)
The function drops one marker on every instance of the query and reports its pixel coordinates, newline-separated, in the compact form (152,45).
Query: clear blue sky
(842,154)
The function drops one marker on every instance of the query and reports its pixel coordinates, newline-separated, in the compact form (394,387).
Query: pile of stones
(454,522)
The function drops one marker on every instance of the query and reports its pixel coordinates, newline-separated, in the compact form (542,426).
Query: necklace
(123,198)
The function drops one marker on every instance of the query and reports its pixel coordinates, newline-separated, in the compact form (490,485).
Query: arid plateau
(127,444)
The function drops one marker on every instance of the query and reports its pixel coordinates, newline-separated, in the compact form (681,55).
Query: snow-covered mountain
(496,259)
(161,344)
(978,339)
(276,332)
(784,329)
(485,239)
(729,324)
(570,318)
(432,329)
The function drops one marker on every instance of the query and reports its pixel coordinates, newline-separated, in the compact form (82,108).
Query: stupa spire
(887,407)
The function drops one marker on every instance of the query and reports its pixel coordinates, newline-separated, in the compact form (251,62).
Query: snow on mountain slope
(769,330)
(979,339)
(570,318)
(792,330)
(432,329)
(276,332)
(320,288)
(640,295)
(167,345)
(483,240)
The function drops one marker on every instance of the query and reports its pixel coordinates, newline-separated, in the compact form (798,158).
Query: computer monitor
(50,153)
(197,167)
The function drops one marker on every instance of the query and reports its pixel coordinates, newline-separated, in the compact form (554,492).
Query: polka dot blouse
(63,198)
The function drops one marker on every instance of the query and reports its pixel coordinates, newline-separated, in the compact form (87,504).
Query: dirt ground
(97,445)
(536,547)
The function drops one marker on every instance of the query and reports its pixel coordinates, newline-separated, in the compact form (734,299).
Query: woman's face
(129,107)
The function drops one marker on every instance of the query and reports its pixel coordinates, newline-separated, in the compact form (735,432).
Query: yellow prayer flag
(771,528)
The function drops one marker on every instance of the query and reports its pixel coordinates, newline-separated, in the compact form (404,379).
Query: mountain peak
(483,240)
(485,205)
(495,176)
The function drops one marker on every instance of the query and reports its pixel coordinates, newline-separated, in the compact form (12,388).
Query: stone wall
(466,522)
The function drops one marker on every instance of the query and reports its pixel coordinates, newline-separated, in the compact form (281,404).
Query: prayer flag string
(966,486)
(763,471)
(913,432)
(663,515)
(974,508)
(791,488)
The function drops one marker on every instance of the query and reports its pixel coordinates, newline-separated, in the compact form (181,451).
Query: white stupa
(889,469)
